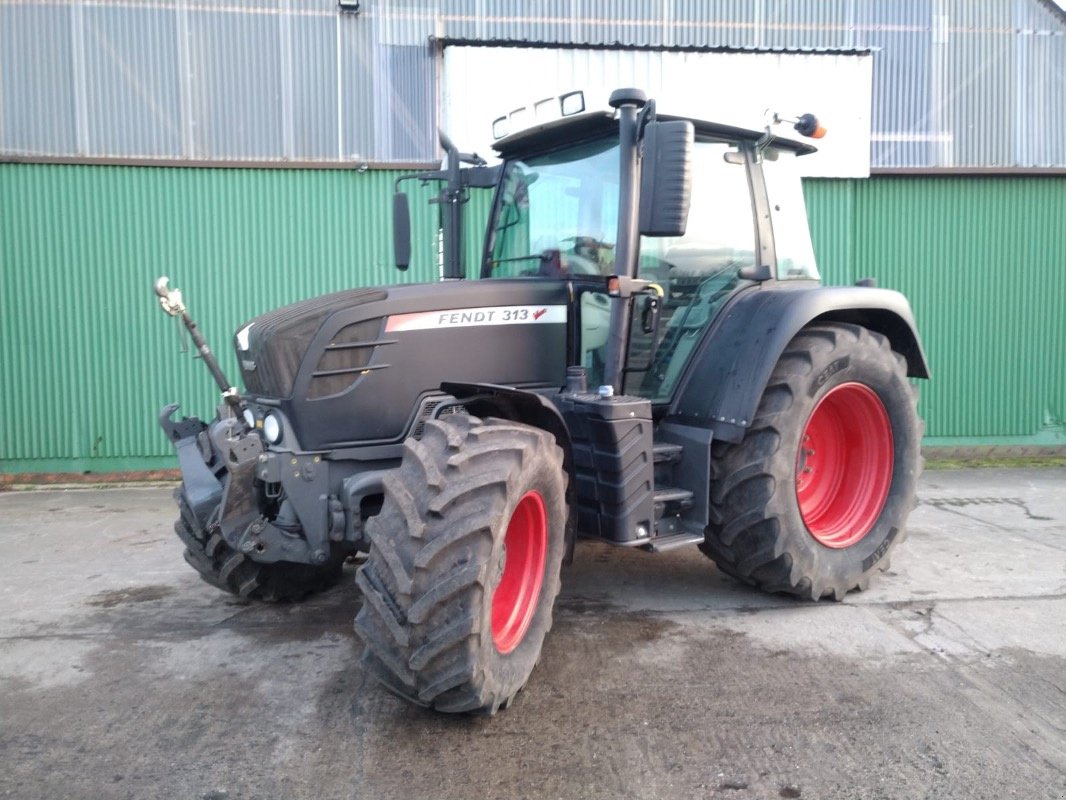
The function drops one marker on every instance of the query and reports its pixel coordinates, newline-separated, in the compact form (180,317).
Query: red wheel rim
(515,600)
(844,465)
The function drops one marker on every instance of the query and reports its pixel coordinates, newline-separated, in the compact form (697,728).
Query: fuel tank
(359,367)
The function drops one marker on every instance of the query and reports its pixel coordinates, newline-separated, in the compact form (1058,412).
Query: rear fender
(722,386)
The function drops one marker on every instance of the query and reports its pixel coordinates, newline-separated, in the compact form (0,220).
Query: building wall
(87,358)
(983,261)
(837,87)
(957,83)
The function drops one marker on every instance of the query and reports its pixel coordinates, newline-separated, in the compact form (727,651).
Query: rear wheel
(464,564)
(223,567)
(817,494)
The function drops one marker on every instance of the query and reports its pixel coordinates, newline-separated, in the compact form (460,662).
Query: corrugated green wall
(983,261)
(87,359)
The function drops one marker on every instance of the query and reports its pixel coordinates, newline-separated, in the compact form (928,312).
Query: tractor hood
(359,366)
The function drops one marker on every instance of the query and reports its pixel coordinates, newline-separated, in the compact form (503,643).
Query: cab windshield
(557,214)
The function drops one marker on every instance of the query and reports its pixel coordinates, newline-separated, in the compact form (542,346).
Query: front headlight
(272,428)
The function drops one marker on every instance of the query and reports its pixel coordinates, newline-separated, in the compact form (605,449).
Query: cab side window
(792,236)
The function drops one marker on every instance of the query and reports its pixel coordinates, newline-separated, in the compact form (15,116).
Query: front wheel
(464,564)
(817,494)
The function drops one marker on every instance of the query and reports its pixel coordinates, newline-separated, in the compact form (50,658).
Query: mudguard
(523,405)
(520,405)
(723,384)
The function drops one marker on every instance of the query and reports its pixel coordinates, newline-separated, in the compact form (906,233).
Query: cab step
(669,494)
(661,544)
(666,453)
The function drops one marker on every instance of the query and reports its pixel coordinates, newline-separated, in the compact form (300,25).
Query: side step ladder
(660,544)
(674,499)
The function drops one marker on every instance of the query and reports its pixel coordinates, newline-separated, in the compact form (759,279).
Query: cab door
(697,272)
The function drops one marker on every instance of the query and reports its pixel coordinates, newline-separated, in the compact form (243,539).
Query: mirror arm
(646,115)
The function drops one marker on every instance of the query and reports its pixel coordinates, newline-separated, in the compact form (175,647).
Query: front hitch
(196,458)
(219,465)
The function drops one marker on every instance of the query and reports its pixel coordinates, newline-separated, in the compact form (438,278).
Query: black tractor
(646,358)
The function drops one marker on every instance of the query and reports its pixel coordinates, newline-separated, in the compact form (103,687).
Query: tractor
(646,357)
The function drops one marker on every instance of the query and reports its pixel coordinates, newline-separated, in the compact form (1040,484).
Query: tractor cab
(557,215)
(670,217)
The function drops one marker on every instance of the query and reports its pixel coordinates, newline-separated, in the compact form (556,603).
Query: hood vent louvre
(346,358)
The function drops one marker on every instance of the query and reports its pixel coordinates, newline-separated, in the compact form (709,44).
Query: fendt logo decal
(474,317)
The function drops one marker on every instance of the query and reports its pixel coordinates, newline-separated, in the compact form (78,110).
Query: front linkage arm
(171,302)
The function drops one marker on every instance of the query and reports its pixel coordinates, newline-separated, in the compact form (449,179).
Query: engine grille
(345,358)
(278,340)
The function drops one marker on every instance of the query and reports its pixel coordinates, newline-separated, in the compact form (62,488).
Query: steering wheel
(554,263)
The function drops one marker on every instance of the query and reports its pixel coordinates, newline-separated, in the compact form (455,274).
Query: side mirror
(666,178)
(401,230)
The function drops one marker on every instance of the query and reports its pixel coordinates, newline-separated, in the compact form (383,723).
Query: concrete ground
(123,675)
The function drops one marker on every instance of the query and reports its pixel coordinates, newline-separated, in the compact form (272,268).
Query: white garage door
(484,83)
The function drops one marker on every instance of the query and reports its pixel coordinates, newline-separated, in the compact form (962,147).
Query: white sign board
(482,84)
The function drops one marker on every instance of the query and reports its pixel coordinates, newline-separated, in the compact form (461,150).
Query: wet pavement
(122,675)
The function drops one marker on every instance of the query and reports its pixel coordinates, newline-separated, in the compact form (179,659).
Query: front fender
(520,405)
(723,384)
(531,408)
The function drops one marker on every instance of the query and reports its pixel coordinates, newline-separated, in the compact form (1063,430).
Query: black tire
(836,537)
(437,562)
(225,568)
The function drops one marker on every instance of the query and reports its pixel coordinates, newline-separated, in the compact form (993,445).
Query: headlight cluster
(272,428)
(270,425)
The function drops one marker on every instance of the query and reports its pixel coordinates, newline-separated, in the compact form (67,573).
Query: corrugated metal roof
(956,82)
